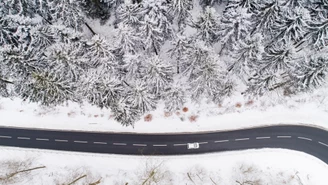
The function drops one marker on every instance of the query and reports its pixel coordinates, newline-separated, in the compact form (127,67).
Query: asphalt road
(310,140)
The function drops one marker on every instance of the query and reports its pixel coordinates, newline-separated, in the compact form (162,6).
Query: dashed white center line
(61,140)
(119,143)
(221,141)
(201,143)
(263,137)
(284,136)
(100,143)
(41,139)
(324,144)
(242,139)
(159,145)
(305,138)
(139,144)
(84,142)
(5,137)
(179,144)
(25,138)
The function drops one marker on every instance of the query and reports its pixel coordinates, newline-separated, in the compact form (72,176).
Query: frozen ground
(234,113)
(267,166)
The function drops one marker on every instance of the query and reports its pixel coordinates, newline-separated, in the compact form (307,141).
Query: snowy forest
(168,51)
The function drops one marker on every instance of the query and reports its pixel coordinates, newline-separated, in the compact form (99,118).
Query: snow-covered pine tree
(46,88)
(179,9)
(96,9)
(291,25)
(68,13)
(129,40)
(235,25)
(158,74)
(311,73)
(249,5)
(42,36)
(318,32)
(178,52)
(103,90)
(139,96)
(245,56)
(67,60)
(156,25)
(267,14)
(174,96)
(124,113)
(278,57)
(205,3)
(99,52)
(129,14)
(208,80)
(130,69)
(208,25)
(193,57)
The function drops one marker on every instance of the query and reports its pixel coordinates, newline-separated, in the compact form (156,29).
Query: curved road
(310,140)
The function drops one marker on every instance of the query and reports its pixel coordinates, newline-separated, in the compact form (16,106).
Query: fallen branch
(21,171)
(83,176)
(95,183)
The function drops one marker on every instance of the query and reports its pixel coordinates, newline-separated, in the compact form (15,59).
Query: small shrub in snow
(238,105)
(193,118)
(178,113)
(249,103)
(167,114)
(185,109)
(148,118)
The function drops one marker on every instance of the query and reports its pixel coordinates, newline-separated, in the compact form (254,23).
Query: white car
(193,145)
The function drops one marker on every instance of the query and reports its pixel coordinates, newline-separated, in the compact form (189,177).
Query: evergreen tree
(140,97)
(180,10)
(246,56)
(158,74)
(66,12)
(124,113)
(291,25)
(205,3)
(208,25)
(174,96)
(103,91)
(129,14)
(311,73)
(235,25)
(249,5)
(100,52)
(180,46)
(129,40)
(97,9)
(46,88)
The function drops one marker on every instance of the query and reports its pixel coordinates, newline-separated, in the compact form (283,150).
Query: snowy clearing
(267,166)
(235,113)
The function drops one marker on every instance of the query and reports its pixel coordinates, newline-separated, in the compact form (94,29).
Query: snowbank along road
(313,141)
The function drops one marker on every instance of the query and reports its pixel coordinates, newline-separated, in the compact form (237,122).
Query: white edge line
(221,141)
(5,137)
(242,139)
(26,138)
(81,142)
(60,140)
(323,144)
(139,144)
(305,138)
(159,145)
(201,143)
(284,136)
(263,137)
(100,143)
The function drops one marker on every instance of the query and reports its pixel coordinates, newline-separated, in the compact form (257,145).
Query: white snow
(277,109)
(273,166)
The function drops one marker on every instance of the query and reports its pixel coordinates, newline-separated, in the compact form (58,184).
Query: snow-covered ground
(268,166)
(234,113)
